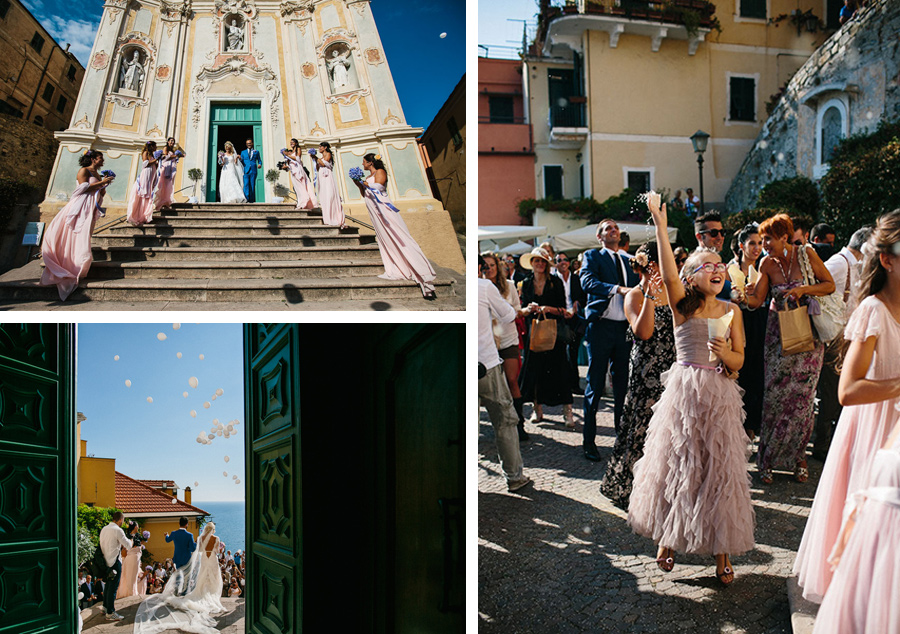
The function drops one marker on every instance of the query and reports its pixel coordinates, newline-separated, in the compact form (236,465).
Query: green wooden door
(37,479)
(274,520)
(244,118)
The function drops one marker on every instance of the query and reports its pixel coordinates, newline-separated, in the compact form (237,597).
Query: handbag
(827,311)
(543,334)
(795,329)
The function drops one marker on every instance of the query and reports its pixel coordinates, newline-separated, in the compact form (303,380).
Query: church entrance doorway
(235,122)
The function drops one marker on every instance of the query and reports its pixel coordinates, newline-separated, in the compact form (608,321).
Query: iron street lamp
(699,140)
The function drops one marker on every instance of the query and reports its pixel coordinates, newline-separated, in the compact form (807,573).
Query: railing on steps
(360,222)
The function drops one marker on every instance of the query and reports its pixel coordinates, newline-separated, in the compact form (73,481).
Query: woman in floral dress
(653,352)
(790,380)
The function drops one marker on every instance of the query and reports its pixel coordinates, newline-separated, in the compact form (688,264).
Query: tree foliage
(796,196)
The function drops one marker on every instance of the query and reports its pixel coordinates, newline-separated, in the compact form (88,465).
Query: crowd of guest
(713,364)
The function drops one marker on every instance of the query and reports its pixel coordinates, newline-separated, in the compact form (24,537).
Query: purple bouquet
(357,174)
(146,534)
(284,150)
(158,154)
(179,153)
(108,174)
(311,152)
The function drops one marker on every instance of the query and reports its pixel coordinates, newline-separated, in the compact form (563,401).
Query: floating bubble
(763,145)
(215,421)
(227,458)
(178,354)
(219,425)
(237,481)
(225,473)
(174,501)
(184,394)
(219,433)
(211,436)
(149,399)
(202,357)
(176,326)
(780,156)
(116,358)
(199,440)
(206,405)
(220,392)
(443,35)
(230,428)
(193,413)
(870,115)
(226,434)
(193,382)
(196,484)
(127,382)
(161,336)
(213,397)
(234,477)
(213,429)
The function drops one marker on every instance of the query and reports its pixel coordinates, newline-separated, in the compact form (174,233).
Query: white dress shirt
(112,540)
(616,309)
(838,265)
(567,285)
(491,305)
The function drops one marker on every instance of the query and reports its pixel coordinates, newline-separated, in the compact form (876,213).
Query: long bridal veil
(190,596)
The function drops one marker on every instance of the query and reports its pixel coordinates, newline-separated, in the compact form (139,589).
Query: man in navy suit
(606,277)
(184,544)
(250,159)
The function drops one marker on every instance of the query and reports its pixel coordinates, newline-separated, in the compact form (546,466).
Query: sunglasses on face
(798,243)
(558,260)
(712,267)
(714,233)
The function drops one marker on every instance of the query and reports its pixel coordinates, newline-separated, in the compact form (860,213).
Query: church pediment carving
(175,10)
(337,35)
(227,7)
(237,65)
(302,9)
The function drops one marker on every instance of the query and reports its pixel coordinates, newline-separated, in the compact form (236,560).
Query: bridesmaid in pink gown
(67,242)
(140,203)
(303,187)
(869,389)
(403,258)
(329,198)
(167,166)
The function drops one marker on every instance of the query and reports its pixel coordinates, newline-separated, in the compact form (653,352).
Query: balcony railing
(568,116)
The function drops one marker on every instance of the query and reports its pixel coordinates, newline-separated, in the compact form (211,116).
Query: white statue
(339,65)
(235,36)
(131,75)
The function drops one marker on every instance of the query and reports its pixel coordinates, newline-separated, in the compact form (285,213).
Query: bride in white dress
(190,597)
(231,179)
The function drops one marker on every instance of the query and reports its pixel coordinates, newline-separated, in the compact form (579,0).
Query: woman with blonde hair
(231,179)
(869,390)
(790,380)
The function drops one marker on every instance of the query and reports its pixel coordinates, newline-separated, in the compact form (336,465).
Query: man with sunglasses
(710,234)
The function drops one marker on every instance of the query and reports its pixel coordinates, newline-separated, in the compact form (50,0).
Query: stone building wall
(857,68)
(27,151)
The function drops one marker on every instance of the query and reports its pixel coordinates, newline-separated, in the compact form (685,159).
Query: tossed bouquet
(158,154)
(357,174)
(311,152)
(108,174)
(179,153)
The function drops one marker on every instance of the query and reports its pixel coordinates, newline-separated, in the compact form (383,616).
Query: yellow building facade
(613,97)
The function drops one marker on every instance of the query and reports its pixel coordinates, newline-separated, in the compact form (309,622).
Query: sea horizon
(229,519)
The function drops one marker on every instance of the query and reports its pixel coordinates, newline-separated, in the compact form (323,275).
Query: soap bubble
(176,326)
(213,397)
(202,357)
(219,433)
(116,358)
(174,501)
(178,354)
(206,405)
(193,413)
(199,440)
(443,35)
(211,436)
(225,473)
(780,156)
(161,336)
(127,382)
(234,477)
(184,394)
(196,484)
(193,382)
(237,481)
(220,392)
(215,421)
(149,399)
(227,458)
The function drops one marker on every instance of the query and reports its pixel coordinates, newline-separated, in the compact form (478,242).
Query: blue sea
(229,520)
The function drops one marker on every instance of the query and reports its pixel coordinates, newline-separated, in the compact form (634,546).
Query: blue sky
(157,440)
(425,67)
(500,26)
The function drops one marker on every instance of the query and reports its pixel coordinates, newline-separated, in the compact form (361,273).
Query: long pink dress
(67,242)
(403,258)
(303,187)
(329,198)
(861,431)
(130,568)
(141,586)
(863,595)
(164,197)
(140,203)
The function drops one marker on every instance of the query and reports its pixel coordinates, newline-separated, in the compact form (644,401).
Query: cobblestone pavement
(229,622)
(559,557)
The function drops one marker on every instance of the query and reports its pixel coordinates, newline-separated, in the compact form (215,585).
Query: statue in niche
(131,74)
(339,65)
(235,36)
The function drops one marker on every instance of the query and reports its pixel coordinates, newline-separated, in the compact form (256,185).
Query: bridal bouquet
(311,152)
(108,174)
(357,174)
(179,153)
(284,150)
(221,157)
(158,154)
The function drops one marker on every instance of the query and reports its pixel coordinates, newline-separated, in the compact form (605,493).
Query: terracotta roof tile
(136,497)
(169,484)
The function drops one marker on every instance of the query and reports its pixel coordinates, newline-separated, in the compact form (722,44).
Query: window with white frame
(638,181)
(753,9)
(742,98)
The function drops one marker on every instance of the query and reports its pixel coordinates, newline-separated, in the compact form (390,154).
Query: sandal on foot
(726,572)
(801,473)
(766,476)
(666,564)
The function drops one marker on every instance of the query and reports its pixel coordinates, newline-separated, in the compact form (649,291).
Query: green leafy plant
(195,174)
(84,546)
(272,175)
(798,195)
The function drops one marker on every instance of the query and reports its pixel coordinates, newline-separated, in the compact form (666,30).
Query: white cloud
(35,6)
(79,33)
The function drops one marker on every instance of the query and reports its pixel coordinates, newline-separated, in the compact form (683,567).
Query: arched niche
(132,72)
(341,67)
(235,34)
(832,125)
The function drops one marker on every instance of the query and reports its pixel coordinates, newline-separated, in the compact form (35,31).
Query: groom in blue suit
(606,277)
(184,544)
(250,159)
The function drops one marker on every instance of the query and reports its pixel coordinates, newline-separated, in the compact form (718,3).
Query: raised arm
(667,265)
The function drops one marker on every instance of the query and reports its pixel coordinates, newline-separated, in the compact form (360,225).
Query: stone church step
(359,252)
(227,231)
(291,290)
(233,207)
(238,220)
(247,212)
(208,270)
(193,240)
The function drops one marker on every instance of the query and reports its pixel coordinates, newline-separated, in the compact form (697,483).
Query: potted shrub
(195,174)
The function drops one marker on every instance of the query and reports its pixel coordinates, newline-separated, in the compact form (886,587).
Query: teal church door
(38,579)
(235,122)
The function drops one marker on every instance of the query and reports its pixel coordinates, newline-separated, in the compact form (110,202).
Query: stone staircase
(232,253)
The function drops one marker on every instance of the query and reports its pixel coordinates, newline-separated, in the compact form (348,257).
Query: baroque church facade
(207,72)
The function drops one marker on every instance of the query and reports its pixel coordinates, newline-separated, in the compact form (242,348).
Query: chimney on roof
(67,46)
(187,495)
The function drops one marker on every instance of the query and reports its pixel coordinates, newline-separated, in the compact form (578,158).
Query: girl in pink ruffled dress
(403,258)
(869,389)
(67,242)
(168,164)
(691,489)
(329,198)
(303,187)
(140,203)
